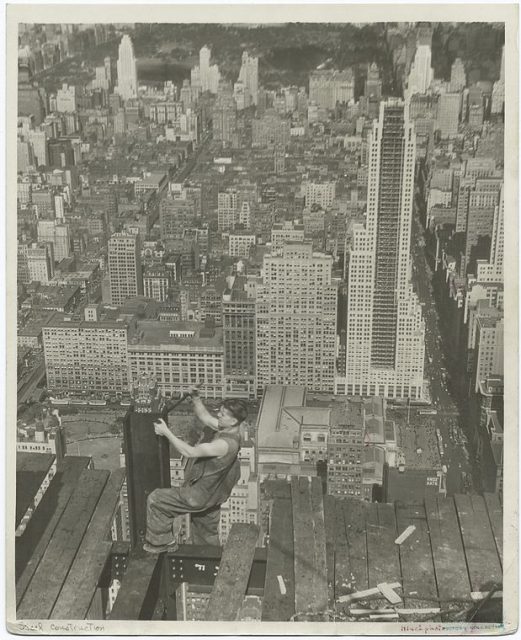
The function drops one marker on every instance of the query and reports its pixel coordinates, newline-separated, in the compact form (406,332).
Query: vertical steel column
(148,467)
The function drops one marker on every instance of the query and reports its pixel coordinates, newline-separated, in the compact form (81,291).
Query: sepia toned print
(262,292)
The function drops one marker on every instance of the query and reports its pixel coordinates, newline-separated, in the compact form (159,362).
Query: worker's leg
(163,508)
(205,526)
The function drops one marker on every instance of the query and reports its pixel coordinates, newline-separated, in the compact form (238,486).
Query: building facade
(124,266)
(329,87)
(85,356)
(178,355)
(127,70)
(385,330)
(238,318)
(296,320)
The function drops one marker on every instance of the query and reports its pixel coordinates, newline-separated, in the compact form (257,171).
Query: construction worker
(213,470)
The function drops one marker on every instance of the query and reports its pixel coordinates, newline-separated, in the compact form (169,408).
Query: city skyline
(312,227)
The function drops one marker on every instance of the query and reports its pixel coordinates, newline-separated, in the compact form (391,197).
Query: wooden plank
(141,574)
(419,583)
(389,594)
(447,549)
(27,461)
(31,546)
(304,541)
(495,516)
(342,579)
(75,604)
(82,580)
(234,572)
(329,523)
(383,560)
(32,469)
(478,542)
(276,606)
(48,578)
(97,607)
(276,489)
(367,593)
(355,512)
(320,587)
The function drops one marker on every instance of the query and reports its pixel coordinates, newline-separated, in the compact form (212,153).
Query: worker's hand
(161,428)
(193,390)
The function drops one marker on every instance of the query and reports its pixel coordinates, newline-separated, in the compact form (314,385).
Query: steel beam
(147,459)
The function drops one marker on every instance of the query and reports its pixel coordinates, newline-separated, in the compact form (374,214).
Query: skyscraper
(498,92)
(238,316)
(249,75)
(458,78)
(373,83)
(385,329)
(124,262)
(57,234)
(206,76)
(40,262)
(204,66)
(224,116)
(449,106)
(421,74)
(127,70)
(327,87)
(296,320)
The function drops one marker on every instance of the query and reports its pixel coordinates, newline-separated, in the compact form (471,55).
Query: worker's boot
(162,548)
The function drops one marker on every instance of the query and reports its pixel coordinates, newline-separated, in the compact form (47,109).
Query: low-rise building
(85,355)
(178,355)
(291,437)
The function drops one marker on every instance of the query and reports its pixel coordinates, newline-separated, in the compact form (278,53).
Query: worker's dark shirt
(209,481)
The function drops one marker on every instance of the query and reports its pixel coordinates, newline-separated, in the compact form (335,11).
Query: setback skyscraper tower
(385,329)
(127,69)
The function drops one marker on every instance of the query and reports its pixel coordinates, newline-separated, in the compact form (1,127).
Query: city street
(447,419)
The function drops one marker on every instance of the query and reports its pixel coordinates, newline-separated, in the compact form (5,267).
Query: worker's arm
(216,448)
(202,412)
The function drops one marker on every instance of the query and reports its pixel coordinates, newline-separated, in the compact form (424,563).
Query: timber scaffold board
(60,556)
(326,558)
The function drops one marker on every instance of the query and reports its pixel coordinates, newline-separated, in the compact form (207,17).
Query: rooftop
(64,320)
(155,333)
(275,426)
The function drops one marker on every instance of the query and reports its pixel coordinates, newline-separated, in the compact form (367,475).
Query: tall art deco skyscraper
(127,69)
(385,329)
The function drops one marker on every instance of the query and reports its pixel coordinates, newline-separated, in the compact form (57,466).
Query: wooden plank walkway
(54,566)
(279,597)
(330,523)
(447,549)
(309,549)
(355,513)
(341,579)
(320,584)
(495,516)
(419,581)
(383,559)
(322,552)
(481,553)
(234,572)
(31,546)
(81,582)
(31,471)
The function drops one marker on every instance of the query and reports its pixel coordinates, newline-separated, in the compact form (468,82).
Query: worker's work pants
(164,506)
